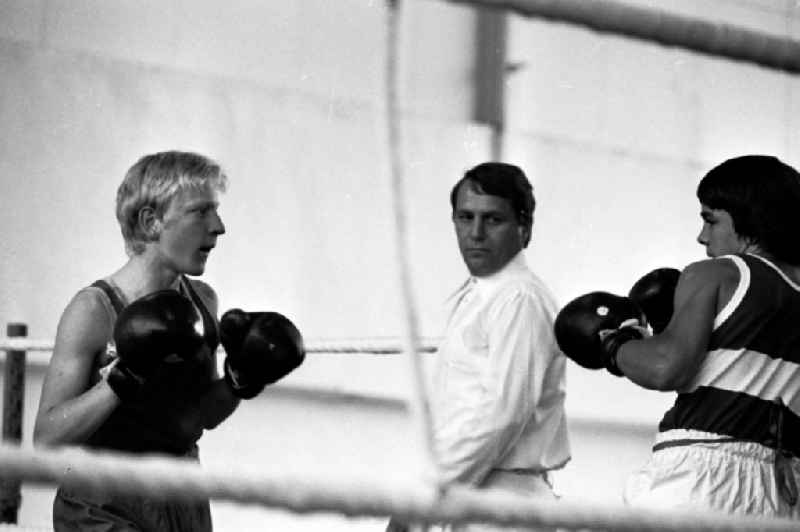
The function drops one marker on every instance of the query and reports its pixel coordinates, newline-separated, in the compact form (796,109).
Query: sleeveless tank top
(163,419)
(748,386)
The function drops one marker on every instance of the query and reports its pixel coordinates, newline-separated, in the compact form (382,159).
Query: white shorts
(733,477)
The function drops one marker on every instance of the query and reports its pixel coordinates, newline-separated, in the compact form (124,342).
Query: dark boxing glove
(591,328)
(261,347)
(147,332)
(655,294)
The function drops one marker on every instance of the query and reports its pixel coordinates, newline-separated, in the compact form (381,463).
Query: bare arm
(70,408)
(219,402)
(668,361)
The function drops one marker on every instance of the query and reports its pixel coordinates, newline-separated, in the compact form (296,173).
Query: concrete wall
(289,97)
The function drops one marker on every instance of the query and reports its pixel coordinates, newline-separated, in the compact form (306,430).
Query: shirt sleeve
(476,436)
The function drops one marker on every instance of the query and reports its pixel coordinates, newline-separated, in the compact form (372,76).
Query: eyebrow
(482,213)
(200,203)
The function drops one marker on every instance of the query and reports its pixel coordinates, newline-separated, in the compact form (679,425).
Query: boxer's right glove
(261,348)
(591,328)
(153,330)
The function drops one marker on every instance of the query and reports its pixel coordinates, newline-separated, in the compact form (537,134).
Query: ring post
(13,399)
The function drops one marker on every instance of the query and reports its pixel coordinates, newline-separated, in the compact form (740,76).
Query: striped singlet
(748,386)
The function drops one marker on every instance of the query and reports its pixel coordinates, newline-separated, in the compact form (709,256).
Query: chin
(474,269)
(195,269)
(480,270)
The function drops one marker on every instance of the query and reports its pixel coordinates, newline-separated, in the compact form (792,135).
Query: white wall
(295,116)
(288,96)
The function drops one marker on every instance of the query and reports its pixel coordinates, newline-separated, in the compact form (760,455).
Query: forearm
(74,421)
(469,461)
(653,363)
(462,466)
(670,360)
(473,442)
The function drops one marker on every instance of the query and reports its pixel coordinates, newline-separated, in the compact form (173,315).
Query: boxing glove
(147,332)
(591,328)
(261,348)
(654,294)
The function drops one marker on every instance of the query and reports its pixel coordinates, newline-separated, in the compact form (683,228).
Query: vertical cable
(410,341)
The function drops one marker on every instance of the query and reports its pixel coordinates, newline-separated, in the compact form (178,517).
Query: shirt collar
(486,283)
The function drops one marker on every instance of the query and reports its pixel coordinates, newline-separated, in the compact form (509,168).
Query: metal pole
(490,76)
(13,400)
(660,26)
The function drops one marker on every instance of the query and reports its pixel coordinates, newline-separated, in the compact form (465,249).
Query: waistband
(528,477)
(523,472)
(683,437)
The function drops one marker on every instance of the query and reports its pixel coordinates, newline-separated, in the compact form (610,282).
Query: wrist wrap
(613,341)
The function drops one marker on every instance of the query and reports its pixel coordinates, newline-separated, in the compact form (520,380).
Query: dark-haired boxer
(731,350)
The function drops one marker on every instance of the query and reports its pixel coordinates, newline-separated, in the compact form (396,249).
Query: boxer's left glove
(591,328)
(654,294)
(148,332)
(261,348)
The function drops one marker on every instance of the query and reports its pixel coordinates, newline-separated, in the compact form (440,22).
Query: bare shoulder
(85,325)
(721,273)
(93,304)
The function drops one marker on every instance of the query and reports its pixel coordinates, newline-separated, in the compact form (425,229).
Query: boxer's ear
(149,224)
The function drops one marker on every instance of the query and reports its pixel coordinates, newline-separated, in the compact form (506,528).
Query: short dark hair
(506,181)
(762,195)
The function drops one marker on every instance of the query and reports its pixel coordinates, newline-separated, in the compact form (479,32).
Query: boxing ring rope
(177,479)
(711,38)
(373,346)
(420,406)
(182,480)
(351,497)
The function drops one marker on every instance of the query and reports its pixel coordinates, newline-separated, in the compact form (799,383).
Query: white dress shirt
(499,381)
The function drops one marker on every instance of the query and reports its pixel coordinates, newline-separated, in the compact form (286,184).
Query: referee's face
(488,232)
